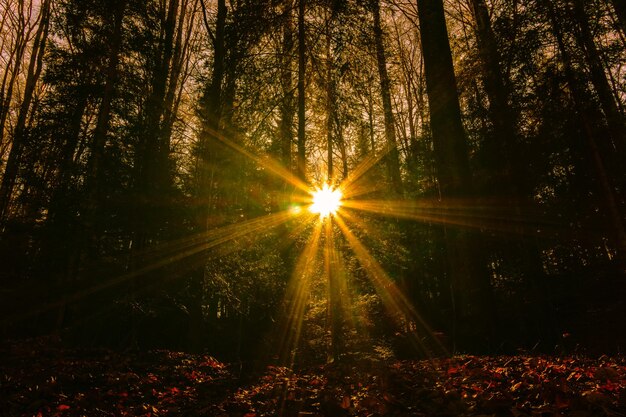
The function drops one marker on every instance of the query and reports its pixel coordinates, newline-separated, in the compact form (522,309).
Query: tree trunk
(179,68)
(301,92)
(212,111)
(467,270)
(287,107)
(11,72)
(614,118)
(104,112)
(508,170)
(582,105)
(330,105)
(392,157)
(34,71)
(501,146)
(152,173)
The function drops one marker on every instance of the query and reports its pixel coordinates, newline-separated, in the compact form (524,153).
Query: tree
(392,158)
(614,118)
(35,67)
(301,91)
(467,272)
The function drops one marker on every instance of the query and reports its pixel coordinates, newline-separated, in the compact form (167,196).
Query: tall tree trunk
(212,112)
(508,175)
(287,107)
(392,157)
(334,304)
(468,274)
(330,104)
(11,72)
(104,113)
(179,68)
(582,105)
(341,144)
(502,144)
(614,117)
(152,173)
(209,148)
(301,92)
(34,71)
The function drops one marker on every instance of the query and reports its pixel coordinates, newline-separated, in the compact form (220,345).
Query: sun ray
(265,161)
(466,214)
(394,301)
(209,241)
(336,276)
(297,295)
(347,186)
(305,219)
(332,289)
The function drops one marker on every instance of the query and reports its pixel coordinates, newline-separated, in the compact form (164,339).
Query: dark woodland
(313,208)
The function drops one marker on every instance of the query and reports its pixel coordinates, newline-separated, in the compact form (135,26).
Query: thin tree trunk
(104,112)
(503,141)
(151,161)
(392,157)
(178,69)
(11,71)
(34,71)
(330,105)
(614,118)
(287,107)
(301,92)
(341,144)
(581,103)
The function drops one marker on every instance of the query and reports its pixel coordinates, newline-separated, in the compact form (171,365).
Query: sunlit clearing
(326,201)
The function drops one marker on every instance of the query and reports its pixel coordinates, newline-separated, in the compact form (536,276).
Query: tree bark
(330,104)
(502,144)
(467,270)
(301,92)
(392,157)
(287,107)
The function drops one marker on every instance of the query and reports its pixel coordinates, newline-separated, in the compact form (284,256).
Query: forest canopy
(307,179)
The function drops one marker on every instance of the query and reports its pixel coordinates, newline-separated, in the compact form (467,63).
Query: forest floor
(38,378)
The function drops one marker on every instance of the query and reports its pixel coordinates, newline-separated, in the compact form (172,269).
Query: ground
(42,378)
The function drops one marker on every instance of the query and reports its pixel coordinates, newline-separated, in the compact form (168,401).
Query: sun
(326,201)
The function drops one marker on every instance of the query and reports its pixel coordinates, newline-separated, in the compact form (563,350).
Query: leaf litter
(44,379)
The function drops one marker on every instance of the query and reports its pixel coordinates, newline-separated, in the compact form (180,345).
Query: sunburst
(335,206)
(326,201)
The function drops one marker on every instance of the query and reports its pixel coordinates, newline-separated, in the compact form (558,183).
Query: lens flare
(326,201)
